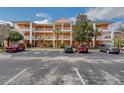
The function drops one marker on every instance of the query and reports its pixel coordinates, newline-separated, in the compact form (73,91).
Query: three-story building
(33,32)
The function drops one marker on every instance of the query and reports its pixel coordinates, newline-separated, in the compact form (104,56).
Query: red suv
(82,49)
(15,48)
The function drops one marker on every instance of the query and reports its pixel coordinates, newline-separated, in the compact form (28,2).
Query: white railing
(40,29)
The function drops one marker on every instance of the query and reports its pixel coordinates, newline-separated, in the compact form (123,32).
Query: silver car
(109,48)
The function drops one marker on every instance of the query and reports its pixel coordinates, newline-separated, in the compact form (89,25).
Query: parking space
(47,67)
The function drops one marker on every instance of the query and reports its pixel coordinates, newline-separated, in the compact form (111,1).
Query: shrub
(29,45)
(50,45)
(62,45)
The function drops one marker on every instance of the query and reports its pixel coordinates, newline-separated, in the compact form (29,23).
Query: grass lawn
(1,50)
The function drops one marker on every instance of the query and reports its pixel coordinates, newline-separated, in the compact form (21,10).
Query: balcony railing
(46,38)
(40,29)
(23,29)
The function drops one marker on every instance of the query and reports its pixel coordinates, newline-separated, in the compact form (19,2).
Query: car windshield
(68,47)
(102,45)
(83,46)
(111,45)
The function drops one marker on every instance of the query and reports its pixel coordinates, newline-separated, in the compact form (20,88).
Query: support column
(31,34)
(34,37)
(44,34)
(71,34)
(53,35)
(62,33)
(94,28)
(112,37)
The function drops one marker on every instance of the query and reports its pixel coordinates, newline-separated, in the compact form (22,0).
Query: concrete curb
(53,49)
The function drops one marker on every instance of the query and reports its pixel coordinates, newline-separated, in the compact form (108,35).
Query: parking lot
(48,67)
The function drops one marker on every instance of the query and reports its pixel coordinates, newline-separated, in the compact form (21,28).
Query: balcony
(49,37)
(42,29)
(28,38)
(66,37)
(24,29)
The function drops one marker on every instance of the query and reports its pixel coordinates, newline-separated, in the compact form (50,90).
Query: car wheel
(117,53)
(23,49)
(7,51)
(17,50)
(108,51)
(86,52)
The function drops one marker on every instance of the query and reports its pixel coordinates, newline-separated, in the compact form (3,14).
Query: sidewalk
(49,49)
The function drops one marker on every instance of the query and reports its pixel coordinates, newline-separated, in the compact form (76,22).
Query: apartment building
(106,36)
(33,32)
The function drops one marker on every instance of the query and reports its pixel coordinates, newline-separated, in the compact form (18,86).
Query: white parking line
(5,55)
(6,83)
(46,52)
(79,75)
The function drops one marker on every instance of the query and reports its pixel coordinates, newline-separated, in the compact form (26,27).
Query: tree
(15,36)
(57,33)
(121,30)
(4,30)
(83,31)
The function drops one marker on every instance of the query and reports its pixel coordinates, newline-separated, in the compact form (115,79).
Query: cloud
(73,19)
(5,22)
(115,26)
(105,13)
(46,18)
(43,15)
(45,21)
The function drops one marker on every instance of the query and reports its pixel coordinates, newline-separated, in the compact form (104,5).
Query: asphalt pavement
(47,67)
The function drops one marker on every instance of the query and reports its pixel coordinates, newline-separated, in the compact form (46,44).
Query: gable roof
(62,20)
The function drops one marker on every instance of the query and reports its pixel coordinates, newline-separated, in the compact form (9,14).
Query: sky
(30,14)
(50,14)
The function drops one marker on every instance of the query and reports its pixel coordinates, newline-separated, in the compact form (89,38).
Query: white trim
(31,33)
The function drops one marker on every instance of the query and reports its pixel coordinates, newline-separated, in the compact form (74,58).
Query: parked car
(68,49)
(109,48)
(82,49)
(15,48)
(122,48)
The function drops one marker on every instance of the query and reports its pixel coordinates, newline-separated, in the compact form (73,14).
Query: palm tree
(57,33)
